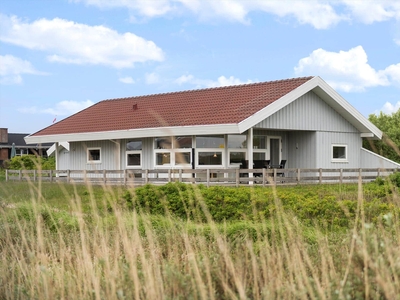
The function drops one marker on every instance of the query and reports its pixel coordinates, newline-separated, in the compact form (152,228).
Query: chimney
(3,135)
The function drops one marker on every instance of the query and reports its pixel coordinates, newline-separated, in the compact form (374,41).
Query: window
(213,141)
(134,153)
(94,155)
(339,153)
(237,141)
(210,158)
(173,151)
(236,158)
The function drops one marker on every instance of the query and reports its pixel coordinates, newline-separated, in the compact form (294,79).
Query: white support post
(250,151)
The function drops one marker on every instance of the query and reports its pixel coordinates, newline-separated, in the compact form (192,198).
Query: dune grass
(63,241)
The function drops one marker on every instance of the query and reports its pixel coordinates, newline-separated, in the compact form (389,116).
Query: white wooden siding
(309,112)
(301,149)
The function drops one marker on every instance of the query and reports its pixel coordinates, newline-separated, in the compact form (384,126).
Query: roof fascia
(328,94)
(136,133)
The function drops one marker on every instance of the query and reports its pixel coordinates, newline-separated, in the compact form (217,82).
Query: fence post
(20,175)
(298,175)
(275,175)
(320,175)
(379,172)
(146,176)
(208,177)
(34,175)
(264,177)
(341,176)
(180,175)
(237,177)
(125,175)
(104,176)
(51,175)
(169,175)
(360,175)
(68,175)
(6,174)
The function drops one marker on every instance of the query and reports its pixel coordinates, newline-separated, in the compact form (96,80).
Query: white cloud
(75,43)
(347,70)
(320,14)
(397,41)
(370,11)
(201,83)
(63,108)
(127,80)
(12,67)
(389,108)
(152,78)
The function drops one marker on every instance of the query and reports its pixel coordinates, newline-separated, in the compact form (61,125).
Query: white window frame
(215,150)
(134,152)
(88,156)
(172,152)
(236,150)
(345,151)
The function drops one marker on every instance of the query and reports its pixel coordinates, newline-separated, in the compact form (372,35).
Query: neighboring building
(21,148)
(301,120)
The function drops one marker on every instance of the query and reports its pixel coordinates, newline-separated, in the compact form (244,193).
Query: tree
(389,146)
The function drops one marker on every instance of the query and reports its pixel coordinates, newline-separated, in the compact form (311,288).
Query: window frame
(88,155)
(212,150)
(127,152)
(336,160)
(172,152)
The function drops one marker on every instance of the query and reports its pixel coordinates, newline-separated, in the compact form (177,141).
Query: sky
(60,56)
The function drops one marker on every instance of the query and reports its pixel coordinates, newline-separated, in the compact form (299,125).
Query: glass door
(274,151)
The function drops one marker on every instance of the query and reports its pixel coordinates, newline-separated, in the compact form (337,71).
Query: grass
(64,241)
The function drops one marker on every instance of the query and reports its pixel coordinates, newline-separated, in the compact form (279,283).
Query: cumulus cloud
(127,80)
(11,69)
(75,43)
(63,108)
(201,83)
(320,14)
(348,71)
(389,108)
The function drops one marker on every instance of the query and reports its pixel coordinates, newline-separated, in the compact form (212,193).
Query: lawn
(180,241)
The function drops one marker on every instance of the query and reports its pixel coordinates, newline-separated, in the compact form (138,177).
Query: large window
(94,155)
(134,153)
(173,151)
(210,158)
(339,153)
(210,150)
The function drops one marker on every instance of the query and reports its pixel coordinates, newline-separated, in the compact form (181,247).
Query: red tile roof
(223,105)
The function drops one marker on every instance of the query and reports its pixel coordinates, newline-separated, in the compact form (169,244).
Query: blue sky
(58,57)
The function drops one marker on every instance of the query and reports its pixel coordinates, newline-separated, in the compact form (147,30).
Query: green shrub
(30,162)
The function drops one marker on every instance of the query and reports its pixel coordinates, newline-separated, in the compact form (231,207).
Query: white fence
(229,177)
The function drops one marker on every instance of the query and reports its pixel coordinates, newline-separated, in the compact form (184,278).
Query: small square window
(339,153)
(94,155)
(133,159)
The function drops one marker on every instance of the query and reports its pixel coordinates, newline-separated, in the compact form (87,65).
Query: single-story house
(16,140)
(302,121)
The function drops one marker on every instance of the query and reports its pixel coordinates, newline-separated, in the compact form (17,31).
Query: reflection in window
(258,156)
(162,143)
(210,158)
(259,142)
(134,145)
(182,158)
(94,155)
(183,142)
(215,141)
(237,141)
(163,158)
(339,152)
(133,159)
(236,157)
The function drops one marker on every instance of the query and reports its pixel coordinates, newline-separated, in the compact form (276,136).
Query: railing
(229,177)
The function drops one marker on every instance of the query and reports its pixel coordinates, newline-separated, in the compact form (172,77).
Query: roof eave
(135,133)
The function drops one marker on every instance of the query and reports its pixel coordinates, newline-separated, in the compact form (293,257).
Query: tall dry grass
(121,254)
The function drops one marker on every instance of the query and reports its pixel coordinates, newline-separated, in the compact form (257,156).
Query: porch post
(57,163)
(250,151)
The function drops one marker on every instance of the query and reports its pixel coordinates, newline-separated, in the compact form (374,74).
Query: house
(301,120)
(7,140)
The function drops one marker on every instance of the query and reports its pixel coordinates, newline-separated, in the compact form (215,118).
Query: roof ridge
(210,88)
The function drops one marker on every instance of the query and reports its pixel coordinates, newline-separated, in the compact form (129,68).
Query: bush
(30,162)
